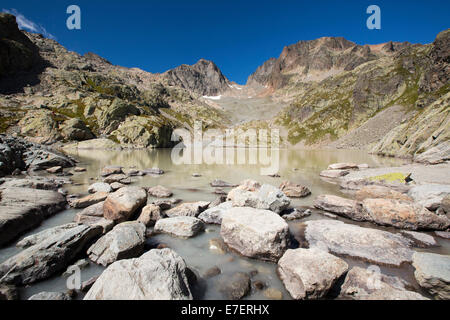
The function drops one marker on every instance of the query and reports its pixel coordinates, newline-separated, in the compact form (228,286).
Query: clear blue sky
(238,35)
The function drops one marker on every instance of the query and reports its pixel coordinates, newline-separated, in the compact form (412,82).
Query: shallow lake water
(299,166)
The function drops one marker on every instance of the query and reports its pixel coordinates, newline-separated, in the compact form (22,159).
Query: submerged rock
(255,233)
(372,245)
(47,257)
(235,287)
(433,273)
(122,204)
(370,284)
(156,275)
(124,241)
(183,226)
(310,273)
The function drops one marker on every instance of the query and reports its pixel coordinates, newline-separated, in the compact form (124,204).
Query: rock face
(255,233)
(214,214)
(183,227)
(24,208)
(380,192)
(122,204)
(126,240)
(47,257)
(310,273)
(156,275)
(160,192)
(370,284)
(150,215)
(203,78)
(251,194)
(190,209)
(293,190)
(429,195)
(375,246)
(402,214)
(433,273)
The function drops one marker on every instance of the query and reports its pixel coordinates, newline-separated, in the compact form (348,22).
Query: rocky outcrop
(255,233)
(371,284)
(124,241)
(24,208)
(122,204)
(310,273)
(156,275)
(47,257)
(203,78)
(183,226)
(372,245)
(252,194)
(433,273)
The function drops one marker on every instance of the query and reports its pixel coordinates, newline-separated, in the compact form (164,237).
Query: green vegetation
(390,177)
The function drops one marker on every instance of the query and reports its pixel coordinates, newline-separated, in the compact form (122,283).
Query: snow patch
(213,97)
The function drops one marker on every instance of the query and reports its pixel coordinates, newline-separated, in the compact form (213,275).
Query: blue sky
(237,35)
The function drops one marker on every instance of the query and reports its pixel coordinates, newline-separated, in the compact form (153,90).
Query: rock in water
(433,273)
(47,257)
(160,192)
(375,246)
(251,194)
(156,275)
(93,216)
(122,204)
(422,240)
(150,215)
(24,208)
(334,173)
(380,192)
(214,214)
(126,240)
(343,166)
(293,190)
(235,287)
(183,227)
(346,207)
(221,184)
(190,209)
(310,273)
(109,170)
(429,195)
(100,187)
(255,233)
(371,284)
(50,296)
(44,235)
(89,200)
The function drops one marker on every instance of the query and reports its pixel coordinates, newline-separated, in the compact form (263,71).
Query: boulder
(343,166)
(109,170)
(255,233)
(99,187)
(47,257)
(156,275)
(44,235)
(372,245)
(24,208)
(121,178)
(117,185)
(124,241)
(334,173)
(310,273)
(191,209)
(251,194)
(214,214)
(50,296)
(402,214)
(166,204)
(380,192)
(93,216)
(122,204)
(429,195)
(293,190)
(371,284)
(183,227)
(160,192)
(296,214)
(345,207)
(88,200)
(235,287)
(150,215)
(433,273)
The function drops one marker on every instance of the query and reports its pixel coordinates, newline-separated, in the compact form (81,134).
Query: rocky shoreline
(115,218)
